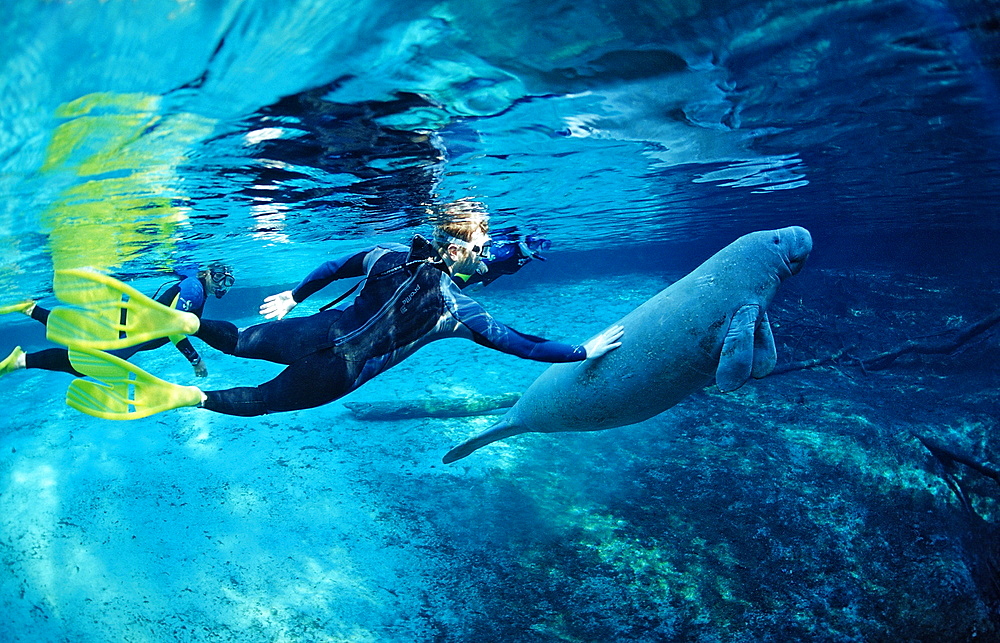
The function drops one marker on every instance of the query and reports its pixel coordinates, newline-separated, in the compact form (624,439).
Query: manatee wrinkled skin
(711,323)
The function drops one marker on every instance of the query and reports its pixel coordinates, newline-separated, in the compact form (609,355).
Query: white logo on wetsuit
(408,298)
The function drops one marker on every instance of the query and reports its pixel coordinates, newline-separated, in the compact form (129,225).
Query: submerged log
(809,363)
(938,345)
(432,407)
(948,456)
(932,346)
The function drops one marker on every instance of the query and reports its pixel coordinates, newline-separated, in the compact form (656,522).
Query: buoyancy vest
(410,288)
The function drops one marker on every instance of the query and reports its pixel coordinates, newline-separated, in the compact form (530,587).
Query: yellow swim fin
(108,314)
(22,307)
(124,391)
(9,364)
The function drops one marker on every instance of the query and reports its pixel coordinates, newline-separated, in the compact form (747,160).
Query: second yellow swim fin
(10,363)
(108,314)
(123,391)
(20,307)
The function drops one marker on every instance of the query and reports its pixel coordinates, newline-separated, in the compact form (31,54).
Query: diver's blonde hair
(460,219)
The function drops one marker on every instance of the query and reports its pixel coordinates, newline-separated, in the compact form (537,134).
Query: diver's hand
(278,305)
(200,370)
(527,252)
(605,342)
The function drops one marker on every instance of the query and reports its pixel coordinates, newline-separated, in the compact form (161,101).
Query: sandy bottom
(800,507)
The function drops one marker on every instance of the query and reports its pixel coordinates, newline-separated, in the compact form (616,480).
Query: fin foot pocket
(20,307)
(9,364)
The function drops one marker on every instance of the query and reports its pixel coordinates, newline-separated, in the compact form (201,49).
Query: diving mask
(223,280)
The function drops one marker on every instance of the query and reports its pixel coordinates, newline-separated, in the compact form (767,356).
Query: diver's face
(472,256)
(221,281)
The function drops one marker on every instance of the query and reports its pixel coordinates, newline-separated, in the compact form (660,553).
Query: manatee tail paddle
(502,429)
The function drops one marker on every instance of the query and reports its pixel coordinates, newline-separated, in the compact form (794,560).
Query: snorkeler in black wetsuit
(408,299)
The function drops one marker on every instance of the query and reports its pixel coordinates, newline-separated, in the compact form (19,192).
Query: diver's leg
(220,335)
(152,344)
(312,381)
(57,359)
(244,401)
(283,341)
(52,359)
(39,314)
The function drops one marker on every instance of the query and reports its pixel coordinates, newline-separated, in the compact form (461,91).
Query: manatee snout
(798,244)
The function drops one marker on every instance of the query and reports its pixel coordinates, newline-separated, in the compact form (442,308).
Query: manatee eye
(777,240)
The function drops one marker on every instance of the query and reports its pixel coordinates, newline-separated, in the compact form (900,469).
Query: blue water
(639,137)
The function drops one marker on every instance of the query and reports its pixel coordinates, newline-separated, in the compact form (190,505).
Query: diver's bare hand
(277,306)
(605,342)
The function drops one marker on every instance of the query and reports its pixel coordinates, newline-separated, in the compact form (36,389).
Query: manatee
(711,323)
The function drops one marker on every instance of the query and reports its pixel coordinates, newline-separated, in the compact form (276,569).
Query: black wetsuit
(408,300)
(190,296)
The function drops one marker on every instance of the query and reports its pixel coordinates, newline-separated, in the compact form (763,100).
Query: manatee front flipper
(765,355)
(736,361)
(499,431)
